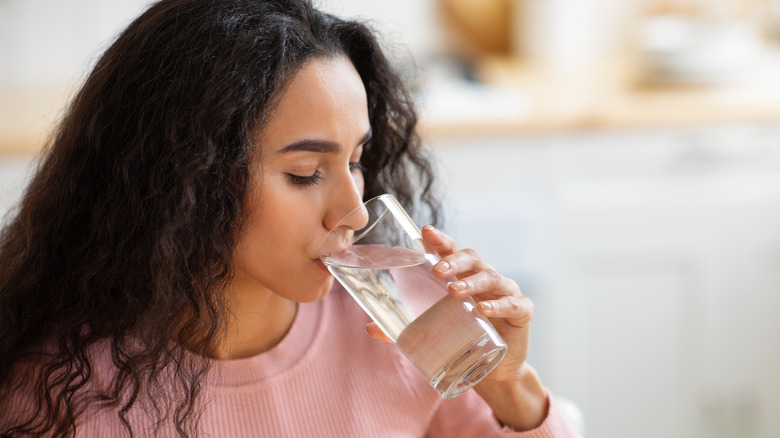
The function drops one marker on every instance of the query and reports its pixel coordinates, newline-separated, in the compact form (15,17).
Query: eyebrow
(322,146)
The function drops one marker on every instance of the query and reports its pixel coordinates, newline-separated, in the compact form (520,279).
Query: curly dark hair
(126,232)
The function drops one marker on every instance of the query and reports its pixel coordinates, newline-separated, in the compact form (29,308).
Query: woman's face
(307,180)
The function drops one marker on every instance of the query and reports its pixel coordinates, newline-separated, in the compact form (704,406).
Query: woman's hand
(499,298)
(512,389)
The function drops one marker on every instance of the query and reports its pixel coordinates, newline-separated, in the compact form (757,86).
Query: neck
(259,320)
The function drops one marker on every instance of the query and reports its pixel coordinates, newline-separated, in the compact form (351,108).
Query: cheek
(267,228)
(279,226)
(360,182)
(285,222)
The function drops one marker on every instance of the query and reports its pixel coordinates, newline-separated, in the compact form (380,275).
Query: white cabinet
(15,173)
(654,262)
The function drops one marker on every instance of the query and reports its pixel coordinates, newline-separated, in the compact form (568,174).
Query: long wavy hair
(124,236)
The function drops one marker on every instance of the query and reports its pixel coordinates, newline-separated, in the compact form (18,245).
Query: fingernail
(487,307)
(442,267)
(458,286)
(429,227)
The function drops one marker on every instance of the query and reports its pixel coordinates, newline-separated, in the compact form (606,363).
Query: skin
(309,181)
(305,186)
(513,390)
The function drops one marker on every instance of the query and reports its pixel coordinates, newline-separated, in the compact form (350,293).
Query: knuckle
(493,276)
(525,310)
(471,252)
(513,304)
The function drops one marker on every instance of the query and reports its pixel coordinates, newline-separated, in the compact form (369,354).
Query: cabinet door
(661,272)
(654,262)
(622,336)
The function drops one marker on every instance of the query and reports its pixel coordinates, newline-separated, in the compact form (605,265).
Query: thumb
(375,332)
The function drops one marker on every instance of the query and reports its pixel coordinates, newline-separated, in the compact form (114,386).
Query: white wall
(404,24)
(57,41)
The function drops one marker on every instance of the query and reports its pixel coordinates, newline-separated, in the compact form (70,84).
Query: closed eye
(309,180)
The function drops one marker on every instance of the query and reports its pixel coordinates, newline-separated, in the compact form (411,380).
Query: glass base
(475,362)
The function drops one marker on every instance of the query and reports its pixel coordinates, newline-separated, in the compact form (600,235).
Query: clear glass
(388,270)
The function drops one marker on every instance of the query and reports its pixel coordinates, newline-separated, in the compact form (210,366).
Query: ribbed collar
(283,358)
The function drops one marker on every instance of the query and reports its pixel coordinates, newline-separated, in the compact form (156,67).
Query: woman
(160,276)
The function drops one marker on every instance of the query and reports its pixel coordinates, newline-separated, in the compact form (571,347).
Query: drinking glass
(388,270)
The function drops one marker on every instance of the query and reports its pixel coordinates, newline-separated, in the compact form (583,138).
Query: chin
(326,287)
(322,289)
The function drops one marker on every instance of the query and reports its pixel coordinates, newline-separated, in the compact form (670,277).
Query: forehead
(325,100)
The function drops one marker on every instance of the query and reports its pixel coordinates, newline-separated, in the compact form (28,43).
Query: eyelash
(315,178)
(305,180)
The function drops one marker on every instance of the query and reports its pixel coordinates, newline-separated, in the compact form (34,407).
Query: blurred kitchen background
(620,159)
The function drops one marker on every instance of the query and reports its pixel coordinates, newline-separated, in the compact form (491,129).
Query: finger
(518,311)
(375,332)
(460,264)
(485,281)
(440,242)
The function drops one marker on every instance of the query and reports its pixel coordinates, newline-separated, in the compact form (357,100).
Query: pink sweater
(327,378)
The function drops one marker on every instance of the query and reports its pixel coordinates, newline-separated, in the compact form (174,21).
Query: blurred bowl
(686,50)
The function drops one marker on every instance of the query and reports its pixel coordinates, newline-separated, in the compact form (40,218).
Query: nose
(345,207)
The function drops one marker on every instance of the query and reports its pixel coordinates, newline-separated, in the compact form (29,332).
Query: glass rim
(390,203)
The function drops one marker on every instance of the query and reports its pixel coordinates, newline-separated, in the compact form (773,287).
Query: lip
(321,265)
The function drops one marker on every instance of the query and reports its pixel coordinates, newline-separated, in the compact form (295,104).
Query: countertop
(526,98)
(613,95)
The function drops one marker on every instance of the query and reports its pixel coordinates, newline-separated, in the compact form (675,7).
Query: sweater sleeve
(469,416)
